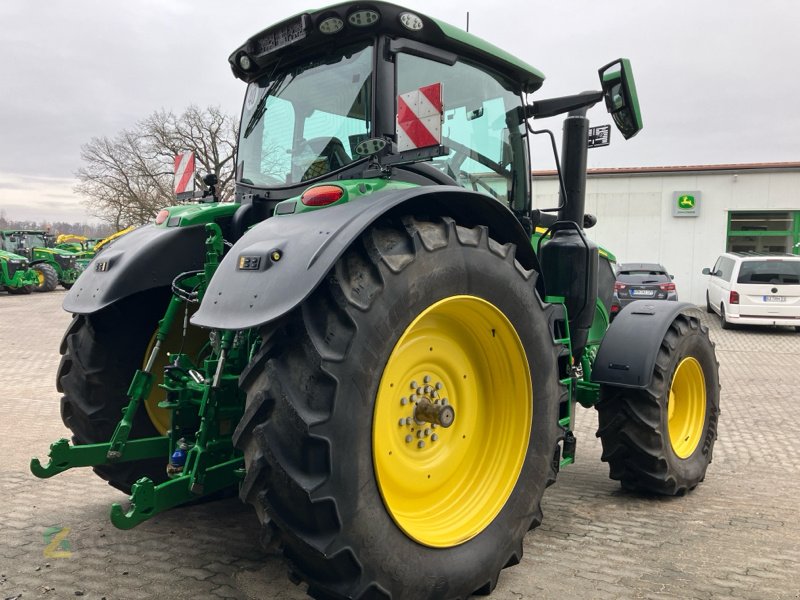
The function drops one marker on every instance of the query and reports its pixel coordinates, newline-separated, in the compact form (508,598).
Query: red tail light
(162,216)
(322,195)
(619,286)
(615,308)
(734,299)
(667,287)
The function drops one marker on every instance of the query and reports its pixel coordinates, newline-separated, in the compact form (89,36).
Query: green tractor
(54,265)
(15,275)
(373,344)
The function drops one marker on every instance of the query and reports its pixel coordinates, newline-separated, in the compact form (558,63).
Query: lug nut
(439,385)
(435,437)
(408,439)
(414,385)
(408,420)
(444,401)
(420,444)
(420,433)
(426,379)
(427,432)
(402,422)
(403,401)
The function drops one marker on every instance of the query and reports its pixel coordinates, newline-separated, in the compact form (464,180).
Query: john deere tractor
(373,344)
(15,275)
(54,265)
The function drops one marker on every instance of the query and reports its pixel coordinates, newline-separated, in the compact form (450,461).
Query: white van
(755,289)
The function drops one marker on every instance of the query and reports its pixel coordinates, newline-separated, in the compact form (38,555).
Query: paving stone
(735,536)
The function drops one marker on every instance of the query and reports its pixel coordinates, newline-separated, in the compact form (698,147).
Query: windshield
(303,122)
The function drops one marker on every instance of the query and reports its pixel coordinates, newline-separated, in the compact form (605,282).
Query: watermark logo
(57,544)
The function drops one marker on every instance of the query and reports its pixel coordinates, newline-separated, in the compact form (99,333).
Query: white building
(684,217)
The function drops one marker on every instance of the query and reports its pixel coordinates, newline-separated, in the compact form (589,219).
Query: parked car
(641,281)
(755,289)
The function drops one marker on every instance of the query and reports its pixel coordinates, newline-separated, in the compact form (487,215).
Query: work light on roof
(331,25)
(363,18)
(245,63)
(410,21)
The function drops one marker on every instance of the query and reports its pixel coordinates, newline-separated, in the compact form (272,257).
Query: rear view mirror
(706,271)
(619,91)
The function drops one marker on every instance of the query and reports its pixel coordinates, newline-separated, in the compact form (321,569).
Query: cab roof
(301,33)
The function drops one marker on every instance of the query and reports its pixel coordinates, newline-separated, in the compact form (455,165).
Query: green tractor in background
(16,276)
(54,265)
(373,344)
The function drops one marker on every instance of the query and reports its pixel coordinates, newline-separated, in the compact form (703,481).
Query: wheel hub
(424,413)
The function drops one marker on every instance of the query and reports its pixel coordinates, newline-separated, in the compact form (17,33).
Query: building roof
(682,169)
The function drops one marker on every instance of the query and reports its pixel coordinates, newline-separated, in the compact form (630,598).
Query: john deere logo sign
(686,204)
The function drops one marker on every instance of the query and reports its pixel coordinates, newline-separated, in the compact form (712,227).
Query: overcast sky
(718,80)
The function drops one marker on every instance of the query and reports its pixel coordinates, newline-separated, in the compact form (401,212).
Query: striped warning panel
(184,173)
(419,118)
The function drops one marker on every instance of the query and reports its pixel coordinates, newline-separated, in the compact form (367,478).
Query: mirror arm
(556,106)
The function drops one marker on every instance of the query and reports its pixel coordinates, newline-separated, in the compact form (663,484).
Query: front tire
(660,439)
(48,278)
(361,511)
(19,291)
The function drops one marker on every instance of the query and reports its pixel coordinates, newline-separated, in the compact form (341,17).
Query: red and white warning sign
(419,118)
(184,173)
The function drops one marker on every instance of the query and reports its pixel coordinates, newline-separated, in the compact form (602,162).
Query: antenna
(467,21)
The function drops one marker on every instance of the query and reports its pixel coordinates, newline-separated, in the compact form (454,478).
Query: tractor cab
(354,93)
(360,92)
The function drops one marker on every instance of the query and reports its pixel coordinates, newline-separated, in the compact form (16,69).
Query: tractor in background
(16,276)
(55,265)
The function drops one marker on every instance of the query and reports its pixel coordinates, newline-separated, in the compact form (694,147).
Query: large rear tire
(48,278)
(100,354)
(660,439)
(367,501)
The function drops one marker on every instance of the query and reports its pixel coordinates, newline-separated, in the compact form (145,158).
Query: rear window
(635,277)
(786,272)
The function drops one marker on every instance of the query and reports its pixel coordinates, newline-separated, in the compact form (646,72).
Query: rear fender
(627,355)
(251,288)
(146,258)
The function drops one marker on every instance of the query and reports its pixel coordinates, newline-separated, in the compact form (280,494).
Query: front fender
(627,354)
(146,258)
(250,288)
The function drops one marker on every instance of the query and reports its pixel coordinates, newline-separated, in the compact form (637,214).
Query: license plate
(646,293)
(774,298)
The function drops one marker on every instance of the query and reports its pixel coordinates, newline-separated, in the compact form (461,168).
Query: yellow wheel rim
(196,338)
(443,486)
(686,407)
(40,277)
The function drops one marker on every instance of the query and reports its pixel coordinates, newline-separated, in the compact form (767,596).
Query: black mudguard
(250,288)
(627,354)
(146,258)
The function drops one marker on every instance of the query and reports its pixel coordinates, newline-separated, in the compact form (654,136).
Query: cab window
(481,128)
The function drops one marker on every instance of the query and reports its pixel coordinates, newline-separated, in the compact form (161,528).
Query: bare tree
(127,179)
